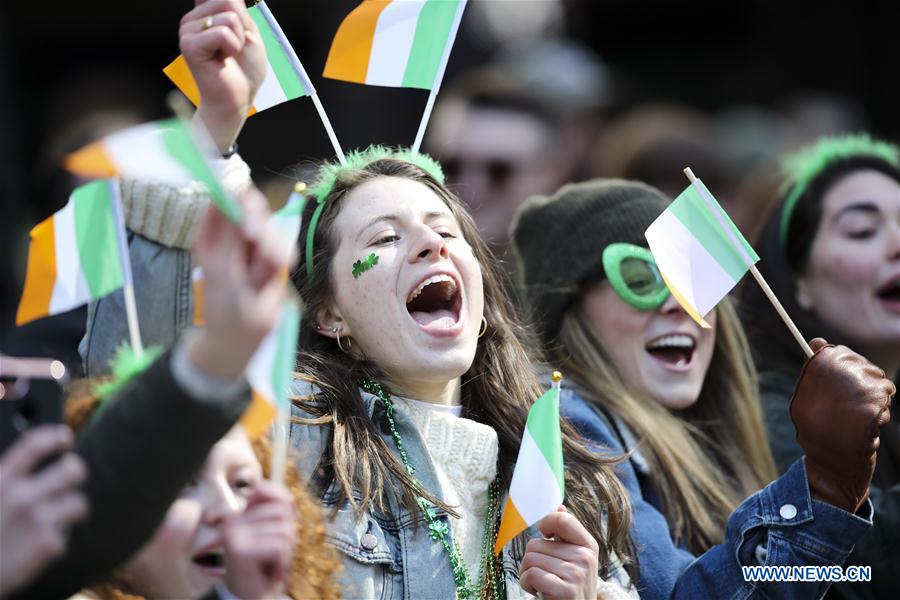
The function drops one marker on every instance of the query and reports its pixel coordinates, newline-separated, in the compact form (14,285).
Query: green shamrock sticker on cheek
(361,266)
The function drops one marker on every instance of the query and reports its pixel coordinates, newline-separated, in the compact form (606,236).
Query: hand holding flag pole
(755,272)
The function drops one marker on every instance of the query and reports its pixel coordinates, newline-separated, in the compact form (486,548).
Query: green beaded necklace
(489,567)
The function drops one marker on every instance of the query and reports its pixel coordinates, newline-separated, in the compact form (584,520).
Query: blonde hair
(315,562)
(703,461)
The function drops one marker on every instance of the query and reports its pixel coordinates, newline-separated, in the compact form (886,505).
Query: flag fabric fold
(73,256)
(270,369)
(160,150)
(285,77)
(537,486)
(394,43)
(699,251)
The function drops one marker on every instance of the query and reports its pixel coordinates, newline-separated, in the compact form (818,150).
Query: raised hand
(243,286)
(224,50)
(259,543)
(565,564)
(37,507)
(840,403)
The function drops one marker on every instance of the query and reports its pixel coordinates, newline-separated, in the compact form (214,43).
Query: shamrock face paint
(361,266)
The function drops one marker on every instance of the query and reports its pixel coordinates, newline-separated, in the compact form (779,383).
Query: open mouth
(435,303)
(676,350)
(890,292)
(211,559)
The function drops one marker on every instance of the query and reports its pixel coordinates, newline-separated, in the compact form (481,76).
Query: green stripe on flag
(285,351)
(275,53)
(543,426)
(693,212)
(95,236)
(180,145)
(432,31)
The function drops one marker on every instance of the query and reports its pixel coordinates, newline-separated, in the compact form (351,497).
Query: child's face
(184,558)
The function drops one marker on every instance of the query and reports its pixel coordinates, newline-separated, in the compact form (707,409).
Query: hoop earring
(349,343)
(484,326)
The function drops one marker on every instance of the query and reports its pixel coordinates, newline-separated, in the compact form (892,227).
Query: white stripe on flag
(534,489)
(139,152)
(716,210)
(687,264)
(270,92)
(71,288)
(392,43)
(260,369)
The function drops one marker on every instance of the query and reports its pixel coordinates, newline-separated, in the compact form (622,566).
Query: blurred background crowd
(537,93)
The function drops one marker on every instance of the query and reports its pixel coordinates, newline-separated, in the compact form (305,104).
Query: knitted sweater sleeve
(170,214)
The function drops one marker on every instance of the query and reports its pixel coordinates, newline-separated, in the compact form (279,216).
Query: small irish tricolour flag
(285,79)
(74,255)
(160,150)
(700,253)
(395,43)
(537,487)
(270,370)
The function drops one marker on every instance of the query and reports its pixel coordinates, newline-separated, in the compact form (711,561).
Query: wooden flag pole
(134,330)
(438,78)
(769,293)
(307,83)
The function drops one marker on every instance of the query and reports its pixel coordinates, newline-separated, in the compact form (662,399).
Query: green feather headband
(804,166)
(357,160)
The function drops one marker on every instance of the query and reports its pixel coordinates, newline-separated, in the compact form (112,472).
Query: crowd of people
(690,453)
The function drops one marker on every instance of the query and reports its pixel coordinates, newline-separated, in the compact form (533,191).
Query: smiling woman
(645,379)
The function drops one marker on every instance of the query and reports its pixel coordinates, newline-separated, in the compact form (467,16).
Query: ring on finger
(208,22)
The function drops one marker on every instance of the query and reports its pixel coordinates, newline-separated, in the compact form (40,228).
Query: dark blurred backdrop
(70,71)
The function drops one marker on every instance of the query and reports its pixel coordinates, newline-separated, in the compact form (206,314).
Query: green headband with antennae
(357,160)
(802,167)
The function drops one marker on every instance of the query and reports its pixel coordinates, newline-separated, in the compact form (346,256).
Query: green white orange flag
(161,150)
(700,253)
(285,79)
(270,371)
(395,43)
(537,487)
(73,257)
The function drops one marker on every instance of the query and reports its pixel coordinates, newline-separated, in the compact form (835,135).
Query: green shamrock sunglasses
(634,276)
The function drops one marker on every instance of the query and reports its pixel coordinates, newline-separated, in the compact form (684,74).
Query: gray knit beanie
(559,240)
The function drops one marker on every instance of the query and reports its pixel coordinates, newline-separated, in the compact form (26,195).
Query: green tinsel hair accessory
(126,365)
(356,160)
(802,167)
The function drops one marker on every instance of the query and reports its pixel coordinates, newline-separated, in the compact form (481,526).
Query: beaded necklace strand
(489,567)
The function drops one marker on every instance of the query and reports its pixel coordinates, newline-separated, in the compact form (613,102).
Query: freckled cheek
(180,525)
(848,271)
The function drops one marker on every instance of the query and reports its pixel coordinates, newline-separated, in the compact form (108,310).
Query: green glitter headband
(802,167)
(357,160)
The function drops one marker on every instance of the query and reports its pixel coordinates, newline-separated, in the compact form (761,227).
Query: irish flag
(537,486)
(162,150)
(395,43)
(74,255)
(270,371)
(700,253)
(285,80)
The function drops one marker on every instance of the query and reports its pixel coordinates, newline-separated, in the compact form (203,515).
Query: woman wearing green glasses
(643,378)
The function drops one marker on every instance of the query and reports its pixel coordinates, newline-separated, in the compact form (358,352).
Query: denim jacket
(779,525)
(384,555)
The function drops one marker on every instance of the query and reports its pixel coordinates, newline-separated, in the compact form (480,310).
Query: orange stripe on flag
(180,74)
(511,525)
(41,275)
(348,59)
(686,305)
(91,162)
(258,416)
(198,302)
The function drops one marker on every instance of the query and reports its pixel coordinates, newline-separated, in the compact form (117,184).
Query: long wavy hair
(703,460)
(315,563)
(497,390)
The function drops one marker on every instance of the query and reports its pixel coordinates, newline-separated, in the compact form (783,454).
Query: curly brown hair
(315,562)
